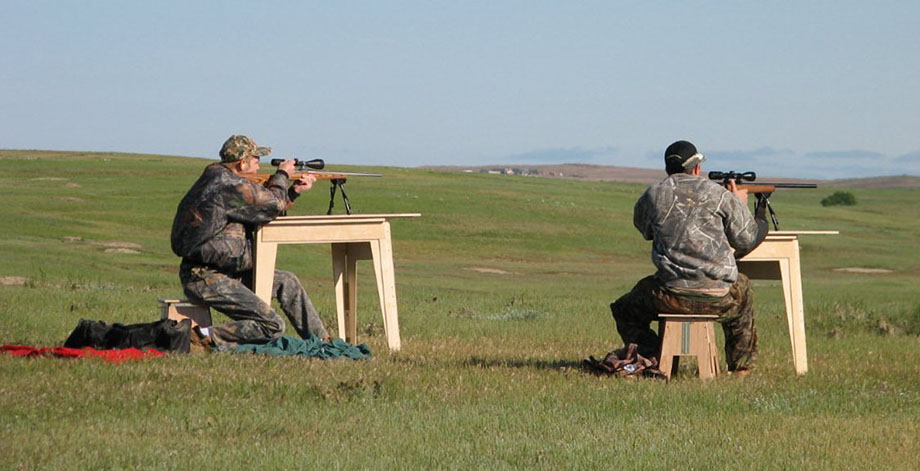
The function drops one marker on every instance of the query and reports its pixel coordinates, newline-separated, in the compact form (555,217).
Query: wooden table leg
(263,270)
(339,272)
(797,316)
(390,314)
(345,258)
(378,274)
(351,294)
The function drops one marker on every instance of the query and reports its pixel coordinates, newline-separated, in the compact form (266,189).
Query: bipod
(340,184)
(764,199)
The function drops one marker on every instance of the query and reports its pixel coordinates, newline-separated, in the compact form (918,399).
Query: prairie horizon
(503,286)
(576,171)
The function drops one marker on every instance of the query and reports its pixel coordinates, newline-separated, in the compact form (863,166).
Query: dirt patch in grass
(121,250)
(117,244)
(865,271)
(111,246)
(494,271)
(13,280)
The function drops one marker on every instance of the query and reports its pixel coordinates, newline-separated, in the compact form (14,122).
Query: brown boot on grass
(199,342)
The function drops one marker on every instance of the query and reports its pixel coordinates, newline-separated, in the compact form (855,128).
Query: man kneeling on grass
(212,232)
(694,225)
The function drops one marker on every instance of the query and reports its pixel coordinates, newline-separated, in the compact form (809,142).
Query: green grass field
(488,377)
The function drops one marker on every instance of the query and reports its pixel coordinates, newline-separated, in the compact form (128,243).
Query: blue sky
(817,89)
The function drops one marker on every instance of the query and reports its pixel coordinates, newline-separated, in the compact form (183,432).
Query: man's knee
(286,281)
(742,287)
(286,277)
(274,326)
(620,309)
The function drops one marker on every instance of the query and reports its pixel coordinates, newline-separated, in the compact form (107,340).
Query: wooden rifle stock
(262,178)
(758,188)
(755,189)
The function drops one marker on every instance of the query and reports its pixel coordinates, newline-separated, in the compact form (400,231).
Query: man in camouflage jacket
(212,232)
(697,228)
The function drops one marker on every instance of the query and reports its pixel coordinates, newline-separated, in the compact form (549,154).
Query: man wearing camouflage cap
(697,228)
(212,232)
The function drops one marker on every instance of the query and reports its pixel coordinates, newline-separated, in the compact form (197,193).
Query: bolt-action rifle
(337,179)
(762,191)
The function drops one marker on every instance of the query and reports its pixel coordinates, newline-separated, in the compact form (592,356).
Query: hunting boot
(199,342)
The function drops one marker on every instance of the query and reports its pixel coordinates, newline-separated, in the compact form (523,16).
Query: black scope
(315,164)
(732,175)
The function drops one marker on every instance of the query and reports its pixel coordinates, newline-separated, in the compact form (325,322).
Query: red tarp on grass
(111,356)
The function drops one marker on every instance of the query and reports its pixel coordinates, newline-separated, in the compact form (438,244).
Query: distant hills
(897,181)
(649,176)
(588,172)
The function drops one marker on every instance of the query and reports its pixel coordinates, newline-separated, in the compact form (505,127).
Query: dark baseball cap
(683,154)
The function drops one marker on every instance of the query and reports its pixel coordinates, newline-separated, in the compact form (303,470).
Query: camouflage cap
(238,147)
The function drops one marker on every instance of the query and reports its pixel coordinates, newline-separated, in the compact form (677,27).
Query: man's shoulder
(217,172)
(682,188)
(692,185)
(216,168)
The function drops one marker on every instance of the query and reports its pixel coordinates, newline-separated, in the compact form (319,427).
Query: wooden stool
(178,309)
(687,335)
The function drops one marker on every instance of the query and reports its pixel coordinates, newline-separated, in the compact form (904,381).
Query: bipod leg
(340,184)
(332,195)
(765,198)
(344,196)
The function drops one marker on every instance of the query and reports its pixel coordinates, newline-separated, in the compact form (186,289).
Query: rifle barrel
(781,185)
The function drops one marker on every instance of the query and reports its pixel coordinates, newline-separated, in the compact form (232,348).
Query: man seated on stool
(694,224)
(212,232)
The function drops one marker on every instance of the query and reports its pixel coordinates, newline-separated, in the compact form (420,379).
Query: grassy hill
(503,288)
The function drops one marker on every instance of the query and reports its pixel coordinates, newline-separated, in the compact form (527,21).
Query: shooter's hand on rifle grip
(287,166)
(741,194)
(304,183)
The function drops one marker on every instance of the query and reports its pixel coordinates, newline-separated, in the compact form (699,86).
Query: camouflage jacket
(694,223)
(213,218)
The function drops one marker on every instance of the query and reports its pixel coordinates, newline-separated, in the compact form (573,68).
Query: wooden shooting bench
(777,258)
(353,237)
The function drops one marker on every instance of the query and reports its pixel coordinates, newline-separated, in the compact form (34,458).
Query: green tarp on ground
(312,347)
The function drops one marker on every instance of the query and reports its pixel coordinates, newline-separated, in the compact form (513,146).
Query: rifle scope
(315,164)
(732,175)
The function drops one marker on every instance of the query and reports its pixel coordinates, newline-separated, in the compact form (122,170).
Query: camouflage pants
(635,311)
(254,321)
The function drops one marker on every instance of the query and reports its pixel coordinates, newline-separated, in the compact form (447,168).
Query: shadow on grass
(534,363)
(490,363)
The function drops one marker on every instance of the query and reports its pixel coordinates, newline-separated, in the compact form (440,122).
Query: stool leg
(703,348)
(669,333)
(700,349)
(688,338)
(713,351)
